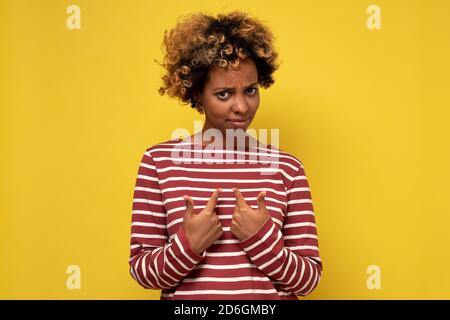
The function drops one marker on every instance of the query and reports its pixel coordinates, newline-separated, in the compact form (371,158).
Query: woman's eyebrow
(231,88)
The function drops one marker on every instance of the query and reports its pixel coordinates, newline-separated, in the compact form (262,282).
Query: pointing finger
(240,201)
(213,200)
(189,205)
(261,202)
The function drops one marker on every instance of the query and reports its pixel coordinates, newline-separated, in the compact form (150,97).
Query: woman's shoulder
(166,145)
(283,155)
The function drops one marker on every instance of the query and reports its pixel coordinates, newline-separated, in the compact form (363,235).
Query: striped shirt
(280,261)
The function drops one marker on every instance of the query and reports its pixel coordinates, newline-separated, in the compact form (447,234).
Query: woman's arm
(290,257)
(155,262)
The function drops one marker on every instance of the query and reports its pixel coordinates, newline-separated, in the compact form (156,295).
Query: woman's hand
(247,221)
(203,228)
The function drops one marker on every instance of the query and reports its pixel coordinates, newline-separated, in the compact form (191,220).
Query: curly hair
(200,41)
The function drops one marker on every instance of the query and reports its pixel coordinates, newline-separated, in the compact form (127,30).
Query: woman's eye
(254,90)
(224,94)
(220,96)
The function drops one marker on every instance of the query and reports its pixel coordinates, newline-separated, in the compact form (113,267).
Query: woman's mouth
(237,123)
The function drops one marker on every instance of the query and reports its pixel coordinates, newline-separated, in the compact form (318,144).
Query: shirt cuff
(261,235)
(182,249)
(265,248)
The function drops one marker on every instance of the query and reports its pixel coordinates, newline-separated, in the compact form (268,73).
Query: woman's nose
(240,106)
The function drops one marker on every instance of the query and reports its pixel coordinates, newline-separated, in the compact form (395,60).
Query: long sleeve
(155,262)
(290,257)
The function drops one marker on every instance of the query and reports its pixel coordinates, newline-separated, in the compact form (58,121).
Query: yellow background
(367,111)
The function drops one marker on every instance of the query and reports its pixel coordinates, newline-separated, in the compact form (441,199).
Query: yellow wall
(365,110)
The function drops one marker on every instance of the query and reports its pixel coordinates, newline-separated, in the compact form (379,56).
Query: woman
(219,227)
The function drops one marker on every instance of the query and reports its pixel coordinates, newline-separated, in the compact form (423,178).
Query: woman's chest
(199,183)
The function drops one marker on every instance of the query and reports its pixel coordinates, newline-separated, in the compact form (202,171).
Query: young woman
(241,224)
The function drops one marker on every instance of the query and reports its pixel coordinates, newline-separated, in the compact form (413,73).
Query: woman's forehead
(245,75)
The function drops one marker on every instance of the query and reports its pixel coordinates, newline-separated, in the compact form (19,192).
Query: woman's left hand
(247,221)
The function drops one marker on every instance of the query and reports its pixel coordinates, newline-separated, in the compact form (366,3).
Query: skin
(204,227)
(247,221)
(239,101)
(221,106)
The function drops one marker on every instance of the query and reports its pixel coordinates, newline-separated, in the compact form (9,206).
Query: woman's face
(230,97)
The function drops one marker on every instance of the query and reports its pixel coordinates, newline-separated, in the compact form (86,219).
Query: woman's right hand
(202,228)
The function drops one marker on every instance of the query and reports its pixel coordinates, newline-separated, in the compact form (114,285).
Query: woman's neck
(229,140)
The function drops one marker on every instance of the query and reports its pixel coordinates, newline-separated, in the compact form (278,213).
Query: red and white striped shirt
(280,261)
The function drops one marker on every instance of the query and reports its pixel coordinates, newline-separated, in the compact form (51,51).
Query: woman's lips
(238,122)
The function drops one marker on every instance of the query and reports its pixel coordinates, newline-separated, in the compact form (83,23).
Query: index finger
(240,199)
(213,200)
